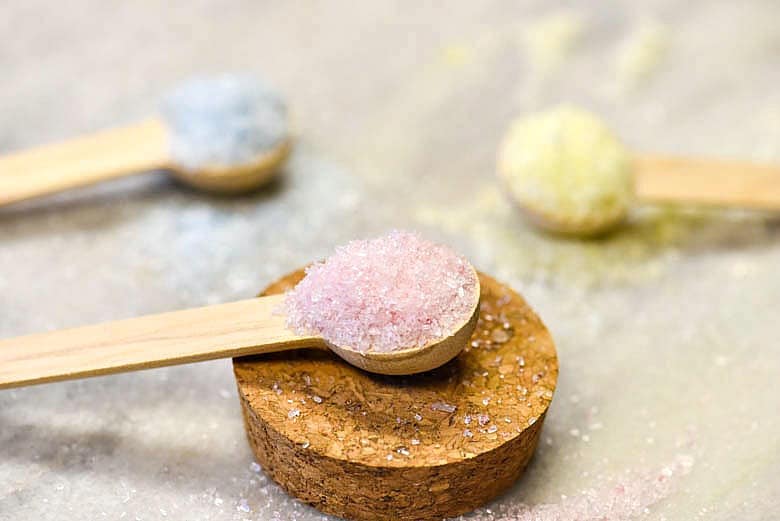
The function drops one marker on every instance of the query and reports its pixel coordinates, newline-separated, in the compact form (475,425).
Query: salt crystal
(492,429)
(483,419)
(467,433)
(294,413)
(415,441)
(243,505)
(254,466)
(392,292)
(499,336)
(443,407)
(316,399)
(417,416)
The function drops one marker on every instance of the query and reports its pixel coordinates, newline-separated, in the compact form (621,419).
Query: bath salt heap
(385,294)
(225,120)
(566,166)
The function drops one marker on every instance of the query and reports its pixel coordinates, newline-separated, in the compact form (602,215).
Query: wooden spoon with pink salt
(397,304)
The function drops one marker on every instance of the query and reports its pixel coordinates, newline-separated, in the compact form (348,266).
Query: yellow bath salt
(567,170)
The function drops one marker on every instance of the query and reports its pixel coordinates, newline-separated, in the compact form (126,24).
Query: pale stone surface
(667,330)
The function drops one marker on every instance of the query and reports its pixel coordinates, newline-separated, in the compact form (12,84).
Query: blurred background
(667,329)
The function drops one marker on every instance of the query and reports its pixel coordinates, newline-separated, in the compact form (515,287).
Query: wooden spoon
(738,184)
(679,180)
(118,153)
(247,327)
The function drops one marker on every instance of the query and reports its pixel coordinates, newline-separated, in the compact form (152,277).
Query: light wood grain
(247,327)
(239,328)
(737,184)
(83,161)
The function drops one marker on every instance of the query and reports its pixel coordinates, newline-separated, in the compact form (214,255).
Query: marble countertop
(667,330)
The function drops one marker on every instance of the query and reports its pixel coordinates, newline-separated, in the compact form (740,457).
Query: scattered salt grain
(393,292)
(499,336)
(254,466)
(443,407)
(294,413)
(629,497)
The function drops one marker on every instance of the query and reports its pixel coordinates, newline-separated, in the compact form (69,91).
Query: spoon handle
(709,182)
(246,327)
(83,161)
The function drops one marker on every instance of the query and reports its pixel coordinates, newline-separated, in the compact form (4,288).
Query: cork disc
(423,447)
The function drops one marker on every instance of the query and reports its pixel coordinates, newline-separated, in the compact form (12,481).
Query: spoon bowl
(416,359)
(582,228)
(236,179)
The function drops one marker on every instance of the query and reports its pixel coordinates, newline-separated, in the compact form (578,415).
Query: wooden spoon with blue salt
(413,309)
(223,134)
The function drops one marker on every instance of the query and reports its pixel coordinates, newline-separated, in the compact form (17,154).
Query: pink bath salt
(394,292)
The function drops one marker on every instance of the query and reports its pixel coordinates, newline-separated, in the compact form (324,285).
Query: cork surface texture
(427,446)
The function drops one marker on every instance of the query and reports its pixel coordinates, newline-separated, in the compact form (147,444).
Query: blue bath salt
(224,120)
